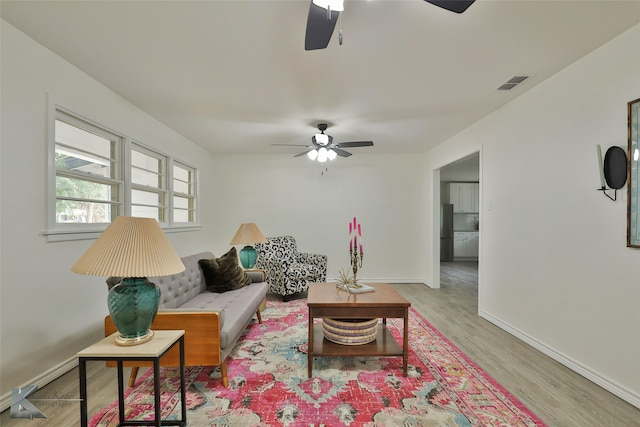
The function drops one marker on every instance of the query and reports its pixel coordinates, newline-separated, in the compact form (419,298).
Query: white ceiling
(233,76)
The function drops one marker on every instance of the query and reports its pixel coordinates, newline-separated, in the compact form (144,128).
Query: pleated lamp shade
(247,234)
(130,247)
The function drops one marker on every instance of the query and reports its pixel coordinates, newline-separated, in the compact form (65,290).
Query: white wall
(555,269)
(292,196)
(47,313)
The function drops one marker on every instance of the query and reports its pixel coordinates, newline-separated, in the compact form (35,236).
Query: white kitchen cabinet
(465,197)
(459,245)
(466,244)
(472,244)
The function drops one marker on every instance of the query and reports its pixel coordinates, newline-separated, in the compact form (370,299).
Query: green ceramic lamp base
(248,257)
(133,305)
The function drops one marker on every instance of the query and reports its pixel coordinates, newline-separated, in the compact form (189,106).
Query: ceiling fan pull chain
(340,32)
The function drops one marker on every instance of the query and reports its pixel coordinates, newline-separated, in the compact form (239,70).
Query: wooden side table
(325,300)
(107,349)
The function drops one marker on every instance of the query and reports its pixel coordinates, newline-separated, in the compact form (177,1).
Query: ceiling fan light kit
(323,147)
(322,154)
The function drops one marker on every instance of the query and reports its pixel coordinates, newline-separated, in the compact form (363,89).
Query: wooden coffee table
(325,300)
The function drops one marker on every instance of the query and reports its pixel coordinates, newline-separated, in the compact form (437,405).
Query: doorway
(460,209)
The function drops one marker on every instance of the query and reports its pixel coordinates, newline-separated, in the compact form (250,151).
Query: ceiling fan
(323,148)
(323,15)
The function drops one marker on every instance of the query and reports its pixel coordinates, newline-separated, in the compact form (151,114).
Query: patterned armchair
(289,272)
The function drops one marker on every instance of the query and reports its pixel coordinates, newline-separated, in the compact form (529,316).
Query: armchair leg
(223,372)
(259,316)
(133,375)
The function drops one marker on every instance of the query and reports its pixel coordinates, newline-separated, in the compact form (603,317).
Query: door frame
(437,200)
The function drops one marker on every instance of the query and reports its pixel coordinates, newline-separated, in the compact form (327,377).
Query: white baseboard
(42,380)
(623,393)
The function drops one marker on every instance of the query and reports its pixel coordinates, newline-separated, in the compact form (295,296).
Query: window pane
(181,216)
(140,197)
(71,211)
(143,177)
(81,139)
(182,180)
(184,209)
(146,212)
(181,203)
(145,169)
(180,187)
(71,160)
(180,173)
(83,189)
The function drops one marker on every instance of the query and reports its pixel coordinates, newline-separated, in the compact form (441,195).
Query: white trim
(71,235)
(618,390)
(435,227)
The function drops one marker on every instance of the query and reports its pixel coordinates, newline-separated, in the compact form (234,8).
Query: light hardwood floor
(557,395)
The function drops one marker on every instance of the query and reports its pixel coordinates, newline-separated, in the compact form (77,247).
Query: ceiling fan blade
(303,153)
(355,144)
(340,152)
(457,6)
(293,145)
(319,28)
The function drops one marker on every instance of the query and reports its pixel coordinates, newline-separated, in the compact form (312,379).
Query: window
(184,193)
(87,178)
(148,184)
(97,174)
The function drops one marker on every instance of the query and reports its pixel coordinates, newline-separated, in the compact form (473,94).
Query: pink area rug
(269,384)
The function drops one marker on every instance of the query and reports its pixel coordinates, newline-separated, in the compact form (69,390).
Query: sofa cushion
(179,288)
(236,308)
(224,274)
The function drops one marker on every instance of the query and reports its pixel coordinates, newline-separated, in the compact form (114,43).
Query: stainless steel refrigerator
(446,232)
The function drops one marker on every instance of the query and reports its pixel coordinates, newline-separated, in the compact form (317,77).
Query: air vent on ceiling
(512,82)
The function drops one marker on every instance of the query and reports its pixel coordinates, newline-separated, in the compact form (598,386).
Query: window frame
(192,196)
(56,231)
(163,189)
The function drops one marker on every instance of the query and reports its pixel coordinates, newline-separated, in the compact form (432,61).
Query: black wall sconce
(613,170)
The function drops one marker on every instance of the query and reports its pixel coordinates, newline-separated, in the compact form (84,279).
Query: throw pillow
(224,274)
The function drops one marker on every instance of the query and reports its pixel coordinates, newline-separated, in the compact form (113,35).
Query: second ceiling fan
(323,15)
(323,148)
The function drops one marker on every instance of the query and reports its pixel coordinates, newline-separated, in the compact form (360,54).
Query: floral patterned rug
(269,384)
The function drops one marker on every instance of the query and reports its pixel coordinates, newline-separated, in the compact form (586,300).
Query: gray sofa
(213,322)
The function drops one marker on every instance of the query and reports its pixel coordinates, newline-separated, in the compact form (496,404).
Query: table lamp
(248,234)
(132,248)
